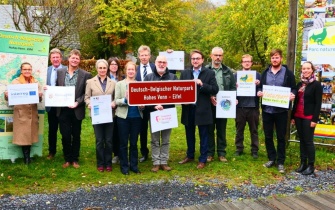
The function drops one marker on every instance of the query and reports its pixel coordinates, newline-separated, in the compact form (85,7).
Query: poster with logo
(226,104)
(163,119)
(246,83)
(319,48)
(17,47)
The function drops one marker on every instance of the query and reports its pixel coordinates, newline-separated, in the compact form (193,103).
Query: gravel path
(167,194)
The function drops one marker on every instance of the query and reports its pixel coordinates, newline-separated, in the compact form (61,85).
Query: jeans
(220,125)
(103,139)
(160,149)
(306,135)
(278,120)
(244,116)
(144,133)
(53,128)
(129,130)
(70,128)
(190,137)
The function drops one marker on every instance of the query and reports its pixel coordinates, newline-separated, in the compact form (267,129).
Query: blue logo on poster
(32,93)
(225,104)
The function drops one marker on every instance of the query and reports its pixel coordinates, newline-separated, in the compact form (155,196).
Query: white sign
(23,94)
(246,83)
(226,104)
(59,96)
(276,96)
(175,59)
(163,119)
(101,109)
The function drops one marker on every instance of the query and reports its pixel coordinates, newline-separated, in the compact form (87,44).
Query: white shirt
(149,70)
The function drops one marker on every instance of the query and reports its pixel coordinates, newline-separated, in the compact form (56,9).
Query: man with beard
(199,113)
(226,81)
(276,75)
(160,148)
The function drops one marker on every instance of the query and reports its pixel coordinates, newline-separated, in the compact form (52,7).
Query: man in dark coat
(200,113)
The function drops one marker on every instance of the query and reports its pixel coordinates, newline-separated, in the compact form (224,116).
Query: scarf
(306,81)
(23,80)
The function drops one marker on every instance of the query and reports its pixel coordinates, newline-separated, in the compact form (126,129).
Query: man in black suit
(56,61)
(70,118)
(144,69)
(200,113)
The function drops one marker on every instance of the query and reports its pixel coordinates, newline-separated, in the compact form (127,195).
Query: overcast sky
(218,2)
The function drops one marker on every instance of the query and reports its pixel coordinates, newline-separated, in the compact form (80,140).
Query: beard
(276,65)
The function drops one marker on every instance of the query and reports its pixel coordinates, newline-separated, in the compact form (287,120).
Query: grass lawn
(48,176)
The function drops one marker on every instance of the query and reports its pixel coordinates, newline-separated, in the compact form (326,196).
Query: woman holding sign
(129,120)
(305,115)
(100,85)
(25,119)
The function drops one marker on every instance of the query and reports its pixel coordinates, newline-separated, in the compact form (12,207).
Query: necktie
(144,71)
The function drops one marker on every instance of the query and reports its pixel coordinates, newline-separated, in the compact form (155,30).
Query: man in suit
(70,118)
(144,69)
(56,60)
(199,113)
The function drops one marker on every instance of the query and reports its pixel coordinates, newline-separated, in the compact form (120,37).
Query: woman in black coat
(305,115)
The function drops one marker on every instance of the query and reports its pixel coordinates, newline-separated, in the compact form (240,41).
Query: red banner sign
(162,92)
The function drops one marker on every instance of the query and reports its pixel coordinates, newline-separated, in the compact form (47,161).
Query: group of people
(121,135)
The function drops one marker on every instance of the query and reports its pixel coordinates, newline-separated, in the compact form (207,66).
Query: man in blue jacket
(200,113)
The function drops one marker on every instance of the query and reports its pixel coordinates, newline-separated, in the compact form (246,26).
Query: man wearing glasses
(247,110)
(200,113)
(226,81)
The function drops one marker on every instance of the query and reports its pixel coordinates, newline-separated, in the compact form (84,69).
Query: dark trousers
(278,120)
(219,124)
(144,133)
(70,128)
(306,134)
(116,141)
(190,137)
(103,141)
(244,116)
(53,128)
(129,130)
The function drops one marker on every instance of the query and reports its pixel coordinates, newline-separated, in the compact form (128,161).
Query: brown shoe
(155,168)
(186,160)
(223,159)
(165,167)
(75,165)
(50,156)
(66,164)
(210,158)
(201,165)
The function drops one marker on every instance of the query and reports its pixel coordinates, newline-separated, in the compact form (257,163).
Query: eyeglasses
(113,64)
(246,61)
(198,58)
(216,55)
(161,62)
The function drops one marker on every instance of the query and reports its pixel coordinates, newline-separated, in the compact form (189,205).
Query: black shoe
(144,158)
(136,171)
(238,153)
(125,172)
(309,170)
(254,155)
(301,168)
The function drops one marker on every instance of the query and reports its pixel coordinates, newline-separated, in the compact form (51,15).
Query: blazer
(138,71)
(203,111)
(93,88)
(83,76)
(312,100)
(49,70)
(122,107)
